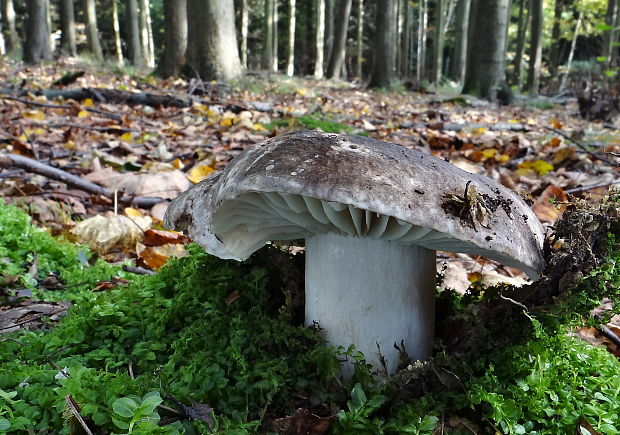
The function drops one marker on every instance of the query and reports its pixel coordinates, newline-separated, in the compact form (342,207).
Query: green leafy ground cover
(240,362)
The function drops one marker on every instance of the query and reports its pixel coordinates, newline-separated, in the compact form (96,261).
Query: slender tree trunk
(571,53)
(554,50)
(329,29)
(212,42)
(290,67)
(438,41)
(421,51)
(118,49)
(175,37)
(336,60)
(267,57)
(2,42)
(360,39)
(133,32)
(37,47)
(459,59)
(92,33)
(611,17)
(67,28)
(533,76)
(485,72)
(146,33)
(274,65)
(383,65)
(245,19)
(320,38)
(524,18)
(8,16)
(50,27)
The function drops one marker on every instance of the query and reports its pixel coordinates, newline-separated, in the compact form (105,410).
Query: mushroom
(372,215)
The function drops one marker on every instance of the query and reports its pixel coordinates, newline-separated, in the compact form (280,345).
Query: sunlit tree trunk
(175,37)
(67,28)
(320,38)
(438,40)
(267,56)
(533,76)
(336,59)
(118,49)
(8,16)
(212,41)
(274,64)
(245,19)
(384,53)
(554,50)
(360,39)
(37,47)
(571,53)
(50,26)
(146,33)
(2,43)
(290,67)
(133,32)
(485,72)
(421,50)
(459,58)
(92,33)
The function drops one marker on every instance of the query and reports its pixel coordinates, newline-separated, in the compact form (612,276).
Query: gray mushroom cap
(305,183)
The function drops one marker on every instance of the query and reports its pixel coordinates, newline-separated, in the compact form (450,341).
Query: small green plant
(138,416)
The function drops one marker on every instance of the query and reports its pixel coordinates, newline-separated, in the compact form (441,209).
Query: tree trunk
(485,67)
(554,50)
(336,59)
(67,28)
(571,53)
(459,58)
(360,39)
(290,68)
(12,39)
(421,51)
(405,41)
(133,32)
(117,35)
(320,38)
(524,19)
(274,65)
(267,56)
(212,42)
(175,37)
(438,41)
(383,66)
(37,47)
(329,29)
(533,75)
(2,42)
(609,35)
(245,19)
(146,34)
(92,33)
(50,27)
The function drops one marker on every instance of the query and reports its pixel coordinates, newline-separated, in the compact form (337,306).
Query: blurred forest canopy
(490,48)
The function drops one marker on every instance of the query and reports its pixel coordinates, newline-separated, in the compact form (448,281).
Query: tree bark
(267,56)
(405,39)
(485,67)
(92,33)
(384,55)
(274,65)
(8,16)
(360,39)
(554,51)
(133,33)
(212,42)
(459,59)
(320,38)
(421,50)
(67,28)
(329,29)
(245,19)
(611,18)
(533,76)
(290,68)
(37,47)
(2,42)
(117,35)
(175,37)
(146,34)
(336,59)
(438,41)
(571,53)
(524,18)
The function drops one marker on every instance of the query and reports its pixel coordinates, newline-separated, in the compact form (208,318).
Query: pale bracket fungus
(372,213)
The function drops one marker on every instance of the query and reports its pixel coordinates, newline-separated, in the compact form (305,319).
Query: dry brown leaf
(544,209)
(104,233)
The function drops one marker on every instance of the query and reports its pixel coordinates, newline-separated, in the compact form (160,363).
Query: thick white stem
(366,292)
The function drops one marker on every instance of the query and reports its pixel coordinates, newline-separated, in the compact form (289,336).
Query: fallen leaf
(154,257)
(104,233)
(199,173)
(303,422)
(544,209)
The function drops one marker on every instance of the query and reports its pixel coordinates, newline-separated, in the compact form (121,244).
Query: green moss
(311,123)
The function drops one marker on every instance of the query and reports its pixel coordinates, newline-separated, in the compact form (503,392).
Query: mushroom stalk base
(366,292)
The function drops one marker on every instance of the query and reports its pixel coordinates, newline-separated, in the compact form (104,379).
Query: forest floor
(126,137)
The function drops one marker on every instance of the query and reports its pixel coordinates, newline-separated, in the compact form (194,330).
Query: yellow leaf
(488,153)
(177,163)
(227,122)
(126,137)
(34,114)
(539,166)
(133,212)
(82,113)
(199,173)
(502,158)
(88,102)
(479,130)
(70,145)
(23,137)
(258,127)
(40,131)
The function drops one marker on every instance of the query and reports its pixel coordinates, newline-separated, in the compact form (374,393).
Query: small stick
(595,186)
(73,408)
(580,145)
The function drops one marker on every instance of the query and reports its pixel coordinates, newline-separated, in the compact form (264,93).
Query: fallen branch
(8,160)
(580,145)
(103,113)
(73,408)
(594,186)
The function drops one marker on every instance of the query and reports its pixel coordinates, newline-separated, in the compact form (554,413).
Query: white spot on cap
(269,167)
(293,173)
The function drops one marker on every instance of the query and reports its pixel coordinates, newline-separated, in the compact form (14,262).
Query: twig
(103,113)
(138,270)
(519,304)
(580,145)
(595,186)
(8,160)
(610,334)
(73,408)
